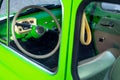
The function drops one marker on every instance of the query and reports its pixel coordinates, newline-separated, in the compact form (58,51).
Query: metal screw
(46,22)
(53,21)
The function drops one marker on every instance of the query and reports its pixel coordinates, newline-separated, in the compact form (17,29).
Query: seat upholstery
(92,67)
(115,71)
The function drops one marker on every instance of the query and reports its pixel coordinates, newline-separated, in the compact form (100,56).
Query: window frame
(42,66)
(58,71)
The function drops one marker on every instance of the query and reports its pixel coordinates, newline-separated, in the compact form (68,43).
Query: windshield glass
(2,7)
(1,2)
(22,3)
(111,7)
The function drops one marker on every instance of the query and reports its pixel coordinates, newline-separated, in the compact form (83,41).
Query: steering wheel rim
(18,44)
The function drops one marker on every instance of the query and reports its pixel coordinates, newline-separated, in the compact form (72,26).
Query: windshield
(16,5)
(1,2)
(2,7)
(111,7)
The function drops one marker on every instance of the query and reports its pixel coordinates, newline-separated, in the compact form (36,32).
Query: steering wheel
(18,44)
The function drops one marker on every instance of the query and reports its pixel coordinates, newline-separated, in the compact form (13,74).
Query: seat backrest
(89,68)
(115,71)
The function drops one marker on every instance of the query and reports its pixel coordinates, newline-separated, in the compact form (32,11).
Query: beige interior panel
(104,41)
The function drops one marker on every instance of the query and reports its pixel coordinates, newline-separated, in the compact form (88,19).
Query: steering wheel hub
(40,30)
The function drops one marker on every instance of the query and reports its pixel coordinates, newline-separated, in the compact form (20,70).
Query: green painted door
(14,66)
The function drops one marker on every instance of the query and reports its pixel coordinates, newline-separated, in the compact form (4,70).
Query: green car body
(17,67)
(14,66)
